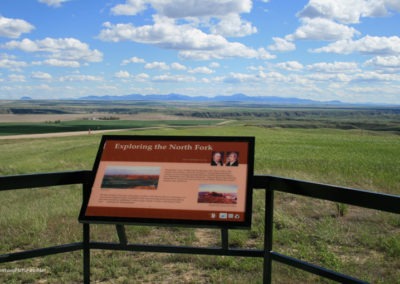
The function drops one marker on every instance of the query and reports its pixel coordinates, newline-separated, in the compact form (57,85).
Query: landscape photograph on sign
(217,193)
(130,177)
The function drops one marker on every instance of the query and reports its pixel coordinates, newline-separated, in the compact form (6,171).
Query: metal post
(269,217)
(86,238)
(224,238)
(123,240)
(86,253)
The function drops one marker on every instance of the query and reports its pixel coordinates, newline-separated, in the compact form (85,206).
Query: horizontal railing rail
(367,199)
(351,196)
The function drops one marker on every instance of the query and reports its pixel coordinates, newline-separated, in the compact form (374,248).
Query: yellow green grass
(363,243)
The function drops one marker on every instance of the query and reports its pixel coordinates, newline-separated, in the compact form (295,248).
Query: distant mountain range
(232,98)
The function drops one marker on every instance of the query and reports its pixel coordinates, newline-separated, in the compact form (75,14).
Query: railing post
(86,253)
(268,234)
(86,238)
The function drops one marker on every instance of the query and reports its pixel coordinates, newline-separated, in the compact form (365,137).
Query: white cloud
(322,29)
(122,74)
(185,8)
(192,42)
(236,78)
(157,65)
(334,67)
(13,28)
(348,11)
(80,78)
(201,70)
(273,76)
(142,77)
(389,62)
(168,78)
(178,66)
(16,78)
(329,77)
(233,26)
(11,64)
(367,45)
(182,25)
(131,7)
(164,33)
(214,65)
(58,63)
(231,50)
(38,75)
(61,48)
(376,76)
(133,60)
(53,3)
(290,65)
(281,44)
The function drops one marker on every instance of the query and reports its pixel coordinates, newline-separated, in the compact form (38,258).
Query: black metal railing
(362,198)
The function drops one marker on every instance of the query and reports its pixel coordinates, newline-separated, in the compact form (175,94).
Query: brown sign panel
(199,181)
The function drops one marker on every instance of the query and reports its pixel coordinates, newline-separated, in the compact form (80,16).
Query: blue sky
(347,50)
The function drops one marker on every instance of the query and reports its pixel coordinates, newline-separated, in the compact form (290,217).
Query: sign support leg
(123,240)
(224,238)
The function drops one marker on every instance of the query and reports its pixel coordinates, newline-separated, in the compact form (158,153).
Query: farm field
(360,242)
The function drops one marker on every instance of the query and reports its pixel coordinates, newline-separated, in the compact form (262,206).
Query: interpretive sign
(200,180)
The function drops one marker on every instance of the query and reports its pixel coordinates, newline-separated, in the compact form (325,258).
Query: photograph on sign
(200,181)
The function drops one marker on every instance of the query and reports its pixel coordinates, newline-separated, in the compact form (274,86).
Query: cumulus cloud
(58,63)
(133,60)
(366,45)
(333,67)
(16,78)
(122,74)
(322,29)
(196,28)
(233,26)
(214,65)
(231,50)
(201,70)
(237,78)
(157,65)
(164,33)
(61,48)
(13,28)
(12,64)
(348,11)
(290,65)
(80,78)
(168,78)
(385,62)
(131,7)
(376,77)
(142,77)
(281,44)
(38,75)
(178,66)
(184,8)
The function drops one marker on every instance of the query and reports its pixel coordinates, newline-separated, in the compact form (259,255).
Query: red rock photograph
(216,193)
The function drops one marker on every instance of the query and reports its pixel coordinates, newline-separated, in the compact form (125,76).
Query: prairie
(360,242)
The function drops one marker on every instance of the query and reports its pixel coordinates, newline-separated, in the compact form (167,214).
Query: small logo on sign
(223,215)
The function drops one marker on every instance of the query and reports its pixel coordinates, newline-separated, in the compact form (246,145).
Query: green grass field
(363,243)
(86,125)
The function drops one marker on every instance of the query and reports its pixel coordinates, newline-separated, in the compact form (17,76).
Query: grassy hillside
(363,243)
